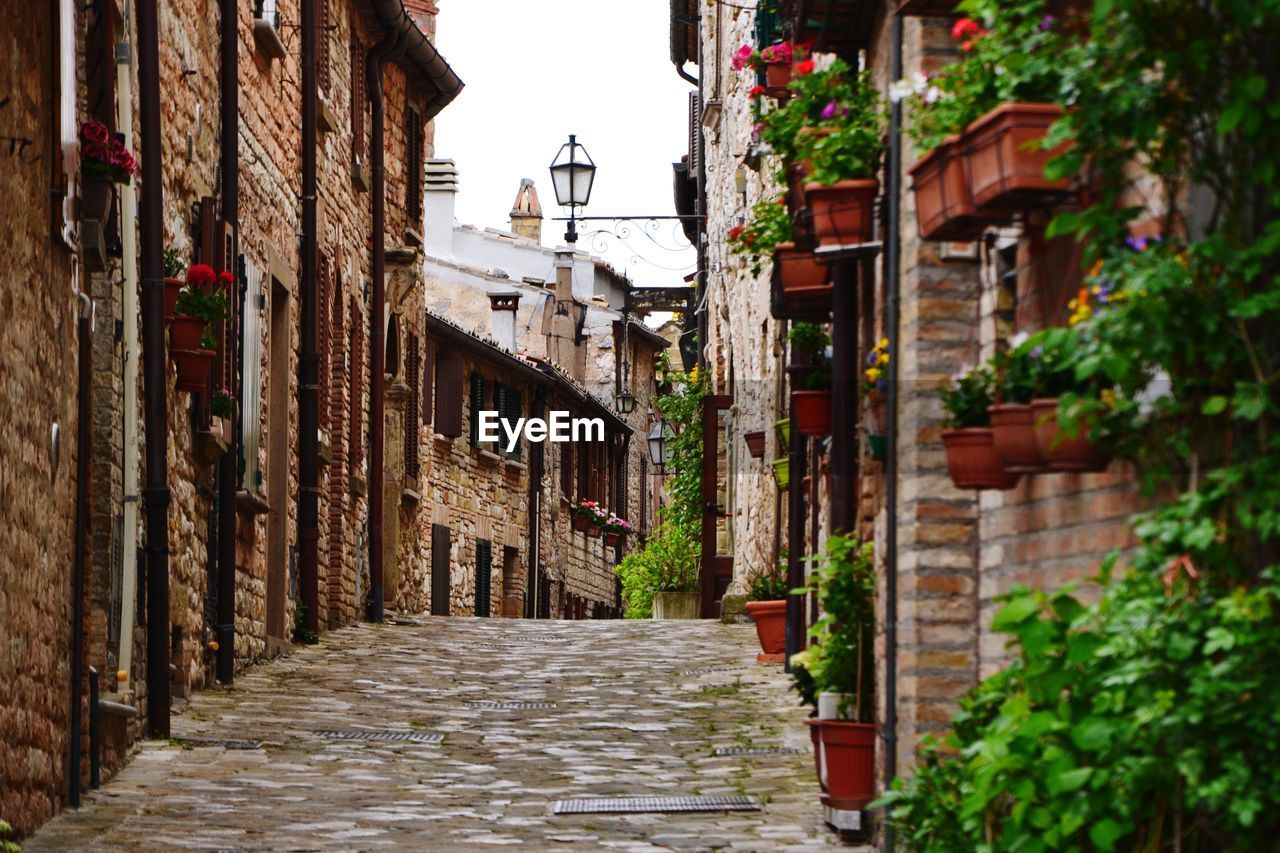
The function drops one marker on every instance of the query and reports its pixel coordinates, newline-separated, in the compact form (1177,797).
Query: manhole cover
(225,744)
(650,805)
(511,706)
(402,737)
(759,750)
(707,669)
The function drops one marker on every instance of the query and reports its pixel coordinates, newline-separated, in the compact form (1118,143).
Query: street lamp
(660,444)
(572,173)
(626,402)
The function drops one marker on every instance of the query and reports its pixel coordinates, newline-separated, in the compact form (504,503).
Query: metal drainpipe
(83,449)
(129,306)
(229,464)
(155,370)
(385,51)
(536,464)
(893,260)
(309,358)
(795,634)
(844,392)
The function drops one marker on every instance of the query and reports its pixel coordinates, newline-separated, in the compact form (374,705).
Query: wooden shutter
(477,403)
(325,286)
(412,412)
(358,95)
(357,387)
(428,373)
(484,576)
(566,470)
(324,64)
(511,409)
(441,540)
(642,523)
(449,391)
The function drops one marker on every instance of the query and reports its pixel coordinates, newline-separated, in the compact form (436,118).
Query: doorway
(278,382)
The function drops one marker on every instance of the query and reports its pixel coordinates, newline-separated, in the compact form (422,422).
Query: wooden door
(717,551)
(441,540)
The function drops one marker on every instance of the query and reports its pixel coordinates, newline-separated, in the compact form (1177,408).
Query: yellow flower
(693,374)
(873,374)
(884,344)
(1108,398)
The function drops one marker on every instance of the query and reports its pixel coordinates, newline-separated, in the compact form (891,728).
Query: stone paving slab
(624,721)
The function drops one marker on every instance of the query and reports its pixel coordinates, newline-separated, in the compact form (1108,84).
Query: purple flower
(1137,244)
(1046,23)
(1036,353)
(829,111)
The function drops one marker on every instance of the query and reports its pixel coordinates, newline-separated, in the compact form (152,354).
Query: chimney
(504,307)
(438,198)
(424,14)
(526,213)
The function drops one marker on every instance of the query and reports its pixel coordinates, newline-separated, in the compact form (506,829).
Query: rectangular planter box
(677,605)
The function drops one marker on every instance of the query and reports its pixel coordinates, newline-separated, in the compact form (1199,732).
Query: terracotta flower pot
(813,412)
(844,213)
(801,275)
(1004,160)
(755,443)
(849,754)
(1013,433)
(944,207)
(185,332)
(1063,453)
(612,538)
(815,737)
(776,77)
(97,193)
(193,368)
(581,523)
(771,627)
(594,531)
(172,287)
(972,460)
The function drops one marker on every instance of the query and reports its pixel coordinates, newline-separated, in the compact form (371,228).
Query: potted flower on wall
(971,454)
(104,162)
(982,122)
(175,271)
(615,529)
(836,674)
(200,306)
(777,61)
(812,403)
(874,389)
(1013,425)
(769,234)
(589,517)
(767,607)
(1066,444)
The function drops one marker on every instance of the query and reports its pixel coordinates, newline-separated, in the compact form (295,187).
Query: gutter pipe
(155,370)
(893,261)
(419,49)
(84,448)
(309,357)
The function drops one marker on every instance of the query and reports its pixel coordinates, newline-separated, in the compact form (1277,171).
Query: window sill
(410,498)
(248,503)
(326,116)
(268,39)
(490,456)
(516,465)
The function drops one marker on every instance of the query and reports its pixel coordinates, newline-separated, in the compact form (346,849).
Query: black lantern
(572,174)
(660,444)
(625,402)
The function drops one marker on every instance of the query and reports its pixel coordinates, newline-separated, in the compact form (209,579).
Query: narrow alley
(604,709)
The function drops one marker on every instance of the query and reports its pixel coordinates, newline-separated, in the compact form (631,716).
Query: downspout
(795,631)
(537,462)
(155,371)
(385,51)
(229,464)
(129,307)
(81,543)
(844,392)
(893,260)
(309,358)
(621,500)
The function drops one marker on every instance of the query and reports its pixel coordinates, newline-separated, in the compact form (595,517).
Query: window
(358,100)
(477,403)
(269,11)
(357,387)
(251,380)
(414,155)
(484,576)
(428,372)
(412,412)
(448,408)
(324,281)
(509,404)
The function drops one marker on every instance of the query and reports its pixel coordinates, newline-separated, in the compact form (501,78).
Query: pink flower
(98,152)
(94,131)
(829,111)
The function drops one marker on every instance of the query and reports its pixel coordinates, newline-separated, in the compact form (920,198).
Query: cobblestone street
(614,709)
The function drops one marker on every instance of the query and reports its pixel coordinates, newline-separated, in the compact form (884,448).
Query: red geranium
(201,275)
(804,68)
(226,277)
(735,233)
(756,91)
(94,131)
(965,28)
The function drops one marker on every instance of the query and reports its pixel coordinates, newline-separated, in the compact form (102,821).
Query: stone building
(234,169)
(956,551)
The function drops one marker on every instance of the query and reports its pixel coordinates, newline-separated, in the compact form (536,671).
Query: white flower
(932,94)
(1018,340)
(920,83)
(901,90)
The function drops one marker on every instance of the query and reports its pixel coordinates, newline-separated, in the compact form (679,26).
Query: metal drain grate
(225,744)
(707,669)
(758,750)
(511,706)
(539,638)
(655,805)
(401,737)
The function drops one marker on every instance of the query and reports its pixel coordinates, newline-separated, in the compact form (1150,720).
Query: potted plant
(1013,425)
(873,391)
(776,60)
(812,404)
(845,157)
(1064,446)
(769,234)
(104,162)
(971,453)
(614,529)
(200,306)
(755,443)
(174,279)
(982,121)
(589,517)
(782,472)
(767,607)
(836,674)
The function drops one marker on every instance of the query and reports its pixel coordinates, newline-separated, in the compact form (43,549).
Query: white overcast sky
(536,72)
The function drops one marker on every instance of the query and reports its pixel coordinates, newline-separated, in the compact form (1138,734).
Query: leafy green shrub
(966,400)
